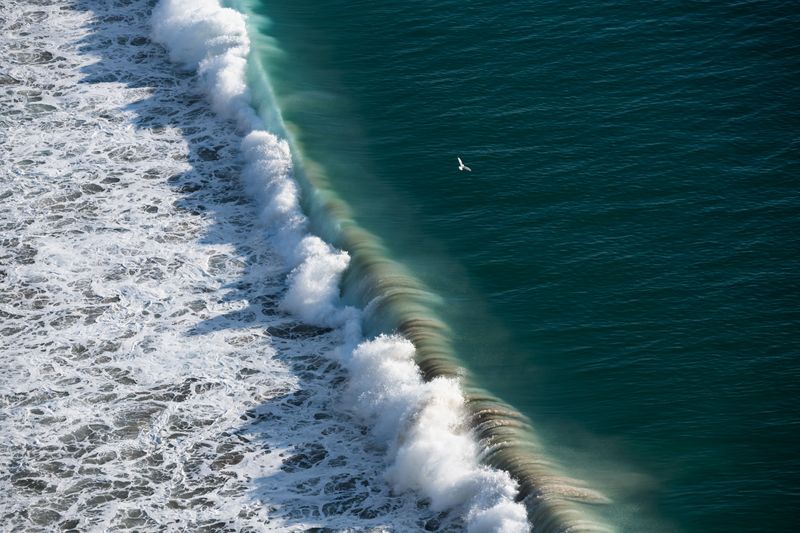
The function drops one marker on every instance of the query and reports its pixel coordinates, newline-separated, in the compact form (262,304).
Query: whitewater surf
(176,352)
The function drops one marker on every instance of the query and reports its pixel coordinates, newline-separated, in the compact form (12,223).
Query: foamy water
(174,354)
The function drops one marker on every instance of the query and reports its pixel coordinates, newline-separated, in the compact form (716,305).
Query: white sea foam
(213,41)
(201,35)
(149,380)
(430,449)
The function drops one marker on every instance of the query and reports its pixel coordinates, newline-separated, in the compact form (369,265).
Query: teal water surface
(622,262)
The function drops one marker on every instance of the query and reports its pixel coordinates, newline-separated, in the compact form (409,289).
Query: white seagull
(462,166)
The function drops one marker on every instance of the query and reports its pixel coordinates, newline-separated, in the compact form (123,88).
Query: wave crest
(423,424)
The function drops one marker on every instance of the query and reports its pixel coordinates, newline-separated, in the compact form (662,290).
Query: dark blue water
(622,263)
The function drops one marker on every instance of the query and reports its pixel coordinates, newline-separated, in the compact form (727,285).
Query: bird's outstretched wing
(467,168)
(460,162)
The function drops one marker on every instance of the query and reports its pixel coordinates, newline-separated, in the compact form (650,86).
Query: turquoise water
(621,265)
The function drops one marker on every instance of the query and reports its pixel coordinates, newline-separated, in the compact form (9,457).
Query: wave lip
(423,423)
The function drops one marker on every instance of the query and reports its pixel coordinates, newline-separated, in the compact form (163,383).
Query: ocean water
(244,286)
(621,264)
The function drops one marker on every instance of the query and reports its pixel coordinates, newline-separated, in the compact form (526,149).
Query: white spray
(423,424)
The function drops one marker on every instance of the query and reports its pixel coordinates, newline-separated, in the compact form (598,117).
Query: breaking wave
(424,424)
